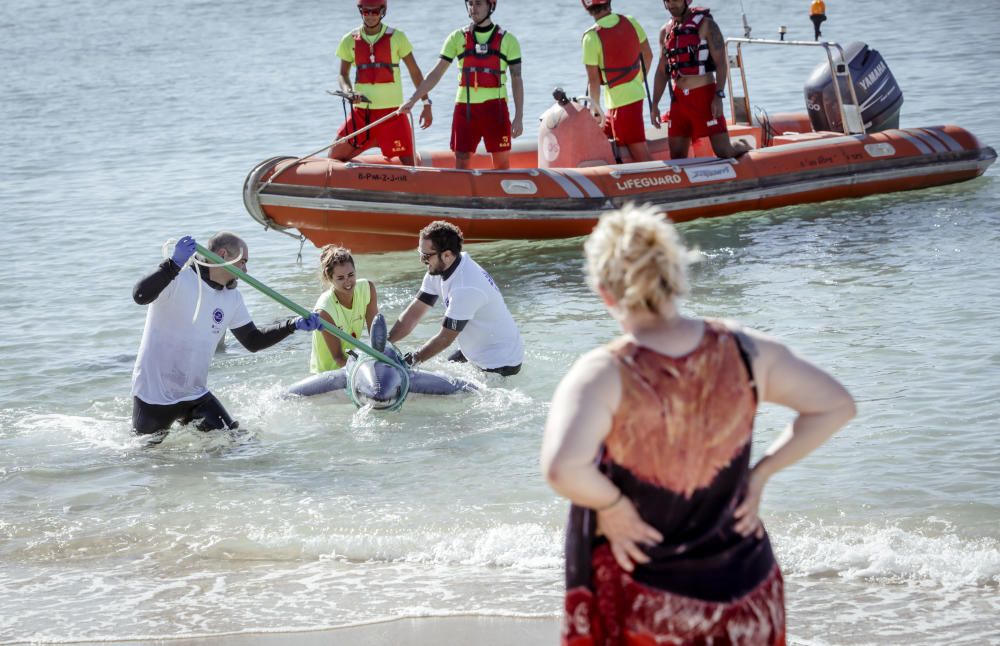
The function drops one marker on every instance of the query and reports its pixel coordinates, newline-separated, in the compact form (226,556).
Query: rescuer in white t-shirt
(474,310)
(170,378)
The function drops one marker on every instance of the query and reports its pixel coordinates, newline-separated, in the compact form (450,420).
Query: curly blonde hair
(635,254)
(329,257)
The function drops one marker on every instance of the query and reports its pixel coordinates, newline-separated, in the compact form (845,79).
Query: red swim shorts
(488,121)
(394,137)
(691,114)
(625,124)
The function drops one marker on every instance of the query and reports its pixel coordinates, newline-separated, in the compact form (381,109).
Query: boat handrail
(251,199)
(850,113)
(441,169)
(630,168)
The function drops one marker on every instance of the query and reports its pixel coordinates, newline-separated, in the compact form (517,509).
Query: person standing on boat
(189,311)
(650,438)
(693,64)
(350,303)
(616,53)
(817,14)
(475,313)
(485,54)
(375,50)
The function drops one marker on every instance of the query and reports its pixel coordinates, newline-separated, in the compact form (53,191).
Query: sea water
(127,123)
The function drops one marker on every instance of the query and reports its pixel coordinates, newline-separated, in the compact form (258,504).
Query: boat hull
(379,207)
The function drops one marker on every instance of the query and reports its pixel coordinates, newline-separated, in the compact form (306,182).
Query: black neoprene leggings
(206,412)
(504,371)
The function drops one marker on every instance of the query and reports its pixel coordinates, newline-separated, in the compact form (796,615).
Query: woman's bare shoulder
(755,343)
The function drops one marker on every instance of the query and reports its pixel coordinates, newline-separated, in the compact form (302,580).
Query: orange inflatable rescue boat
(847,145)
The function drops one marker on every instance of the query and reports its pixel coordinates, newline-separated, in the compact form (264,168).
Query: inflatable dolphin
(376,383)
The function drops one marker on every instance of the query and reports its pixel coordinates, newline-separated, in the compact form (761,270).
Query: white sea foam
(931,553)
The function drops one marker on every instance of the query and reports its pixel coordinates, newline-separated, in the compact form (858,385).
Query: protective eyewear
(425,257)
(370,12)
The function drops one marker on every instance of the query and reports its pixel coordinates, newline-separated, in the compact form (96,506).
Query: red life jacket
(374,60)
(622,52)
(481,61)
(686,52)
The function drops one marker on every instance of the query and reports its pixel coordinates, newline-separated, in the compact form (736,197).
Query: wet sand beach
(425,631)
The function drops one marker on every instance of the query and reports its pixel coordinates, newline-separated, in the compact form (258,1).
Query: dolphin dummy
(376,383)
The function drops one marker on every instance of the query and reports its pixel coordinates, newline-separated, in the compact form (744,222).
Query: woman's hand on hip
(747,513)
(627,533)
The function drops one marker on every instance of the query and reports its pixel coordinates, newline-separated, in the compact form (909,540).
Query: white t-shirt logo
(218,315)
(490,279)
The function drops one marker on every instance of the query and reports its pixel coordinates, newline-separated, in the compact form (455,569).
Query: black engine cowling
(879,96)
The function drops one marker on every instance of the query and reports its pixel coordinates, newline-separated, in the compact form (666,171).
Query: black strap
(356,140)
(489,52)
(453,324)
(625,71)
(487,70)
(365,66)
(427,299)
(747,363)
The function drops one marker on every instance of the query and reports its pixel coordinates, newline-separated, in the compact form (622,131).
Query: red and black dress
(679,449)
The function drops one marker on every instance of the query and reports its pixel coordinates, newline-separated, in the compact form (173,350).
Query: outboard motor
(879,96)
(569,137)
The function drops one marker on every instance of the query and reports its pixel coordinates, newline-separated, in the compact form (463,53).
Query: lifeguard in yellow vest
(817,13)
(375,50)
(617,55)
(350,303)
(485,53)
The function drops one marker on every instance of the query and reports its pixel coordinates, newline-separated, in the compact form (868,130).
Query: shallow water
(129,123)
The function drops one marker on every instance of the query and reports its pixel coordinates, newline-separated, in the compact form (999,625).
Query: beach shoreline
(416,631)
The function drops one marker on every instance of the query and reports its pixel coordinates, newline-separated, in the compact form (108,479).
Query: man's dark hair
(444,235)
(597,9)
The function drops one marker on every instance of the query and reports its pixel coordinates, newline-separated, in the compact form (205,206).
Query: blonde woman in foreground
(650,436)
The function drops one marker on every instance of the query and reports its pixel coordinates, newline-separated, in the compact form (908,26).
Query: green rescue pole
(295,307)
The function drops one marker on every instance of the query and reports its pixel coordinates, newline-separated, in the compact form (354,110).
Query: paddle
(295,307)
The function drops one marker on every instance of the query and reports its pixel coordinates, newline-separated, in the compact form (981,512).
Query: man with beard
(475,313)
(694,62)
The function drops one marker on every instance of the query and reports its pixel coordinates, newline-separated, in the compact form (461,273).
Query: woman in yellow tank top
(349,303)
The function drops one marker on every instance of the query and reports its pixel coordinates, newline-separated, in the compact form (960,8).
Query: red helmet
(587,4)
(493,4)
(373,4)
